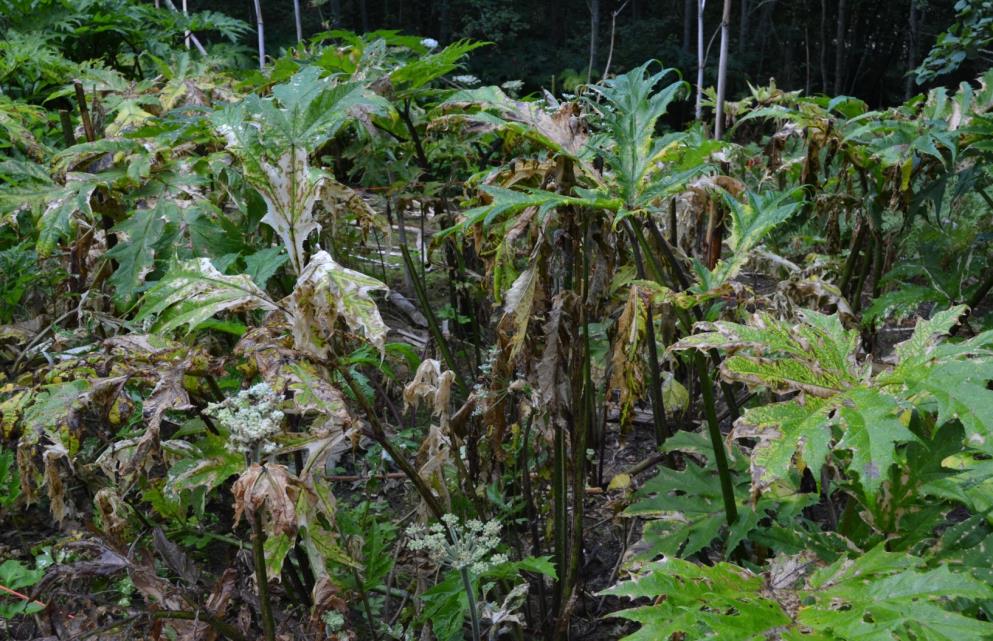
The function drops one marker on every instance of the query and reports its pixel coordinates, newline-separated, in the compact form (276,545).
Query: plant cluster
(654,385)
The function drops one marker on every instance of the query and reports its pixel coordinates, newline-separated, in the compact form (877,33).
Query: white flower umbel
(471,545)
(429,43)
(252,419)
(466,79)
(467,547)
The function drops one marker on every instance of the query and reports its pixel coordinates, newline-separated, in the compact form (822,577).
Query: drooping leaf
(327,292)
(193,291)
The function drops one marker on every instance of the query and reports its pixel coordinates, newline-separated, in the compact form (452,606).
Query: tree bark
(701,5)
(743,27)
(839,52)
(908,88)
(824,75)
(689,10)
(722,69)
(364,14)
(594,6)
(186,35)
(260,26)
(296,19)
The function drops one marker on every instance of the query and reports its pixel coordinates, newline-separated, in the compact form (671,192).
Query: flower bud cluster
(470,547)
(252,418)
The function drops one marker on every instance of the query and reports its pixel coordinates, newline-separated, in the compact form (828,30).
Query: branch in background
(722,69)
(192,37)
(613,32)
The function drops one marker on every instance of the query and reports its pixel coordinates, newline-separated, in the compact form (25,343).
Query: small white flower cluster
(512,86)
(470,548)
(429,43)
(252,417)
(333,621)
(466,79)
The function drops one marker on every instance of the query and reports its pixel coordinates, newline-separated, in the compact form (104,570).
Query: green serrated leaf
(872,430)
(135,252)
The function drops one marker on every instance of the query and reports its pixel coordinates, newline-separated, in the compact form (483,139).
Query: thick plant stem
(367,608)
(265,605)
(852,260)
(684,284)
(720,455)
(863,275)
(531,511)
(560,510)
(84,113)
(583,420)
(380,436)
(473,609)
(654,376)
(980,293)
(422,298)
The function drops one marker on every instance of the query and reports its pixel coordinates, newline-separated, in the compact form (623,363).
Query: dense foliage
(353,347)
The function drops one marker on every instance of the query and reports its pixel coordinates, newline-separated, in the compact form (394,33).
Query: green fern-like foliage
(879,595)
(684,511)
(838,402)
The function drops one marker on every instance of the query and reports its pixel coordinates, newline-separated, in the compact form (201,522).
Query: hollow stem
(265,605)
(473,611)
(720,455)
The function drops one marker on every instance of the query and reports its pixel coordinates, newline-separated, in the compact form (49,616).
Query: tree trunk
(296,18)
(688,13)
(701,5)
(839,52)
(908,88)
(186,35)
(722,69)
(261,31)
(824,76)
(364,14)
(743,27)
(594,6)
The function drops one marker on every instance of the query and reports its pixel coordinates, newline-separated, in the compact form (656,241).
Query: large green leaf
(273,138)
(135,252)
(684,509)
(751,221)
(632,108)
(783,430)
(193,291)
(873,429)
(877,596)
(722,602)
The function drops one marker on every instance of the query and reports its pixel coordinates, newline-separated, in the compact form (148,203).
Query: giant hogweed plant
(272,138)
(855,414)
(600,198)
(898,442)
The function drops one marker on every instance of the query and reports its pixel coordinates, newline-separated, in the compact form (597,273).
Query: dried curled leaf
(269,490)
(430,384)
(520,300)
(325,292)
(627,371)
